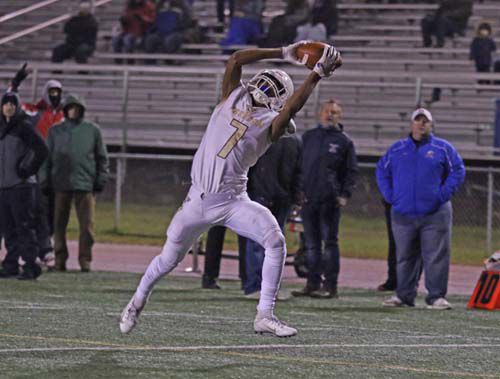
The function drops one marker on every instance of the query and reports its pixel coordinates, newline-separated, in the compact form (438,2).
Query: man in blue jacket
(418,176)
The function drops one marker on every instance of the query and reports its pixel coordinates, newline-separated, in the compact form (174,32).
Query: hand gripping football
(310,53)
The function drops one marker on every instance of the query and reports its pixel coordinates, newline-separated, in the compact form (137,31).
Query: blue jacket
(417,181)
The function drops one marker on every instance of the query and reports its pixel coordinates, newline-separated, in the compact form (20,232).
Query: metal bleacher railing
(169,106)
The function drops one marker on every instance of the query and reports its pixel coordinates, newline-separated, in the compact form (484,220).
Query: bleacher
(169,105)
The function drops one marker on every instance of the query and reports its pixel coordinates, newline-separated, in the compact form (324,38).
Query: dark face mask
(55,100)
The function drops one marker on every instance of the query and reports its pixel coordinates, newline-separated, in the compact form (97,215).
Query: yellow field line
(350,363)
(74,340)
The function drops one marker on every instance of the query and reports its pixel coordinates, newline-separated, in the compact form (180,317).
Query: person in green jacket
(77,168)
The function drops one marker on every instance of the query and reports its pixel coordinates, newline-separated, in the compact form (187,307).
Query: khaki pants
(84,205)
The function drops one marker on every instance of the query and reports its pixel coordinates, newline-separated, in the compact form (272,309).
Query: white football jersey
(237,136)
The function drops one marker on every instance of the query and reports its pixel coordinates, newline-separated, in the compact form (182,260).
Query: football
(311,52)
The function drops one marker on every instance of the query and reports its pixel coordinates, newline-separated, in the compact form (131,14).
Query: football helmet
(493,262)
(271,88)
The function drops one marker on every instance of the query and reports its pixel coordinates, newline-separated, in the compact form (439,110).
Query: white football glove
(329,61)
(290,53)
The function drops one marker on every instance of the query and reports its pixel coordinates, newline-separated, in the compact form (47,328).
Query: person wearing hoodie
(22,152)
(45,113)
(76,169)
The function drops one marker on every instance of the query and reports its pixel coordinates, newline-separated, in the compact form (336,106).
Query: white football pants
(247,218)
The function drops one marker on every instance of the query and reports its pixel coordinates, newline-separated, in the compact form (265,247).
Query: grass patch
(65,326)
(359,237)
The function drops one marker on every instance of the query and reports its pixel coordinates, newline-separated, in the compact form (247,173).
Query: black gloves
(21,74)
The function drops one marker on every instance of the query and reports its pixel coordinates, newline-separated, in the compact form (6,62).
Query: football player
(246,121)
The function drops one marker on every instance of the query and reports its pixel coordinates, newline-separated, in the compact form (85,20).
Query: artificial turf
(66,326)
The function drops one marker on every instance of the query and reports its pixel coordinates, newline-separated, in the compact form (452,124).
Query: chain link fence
(153,187)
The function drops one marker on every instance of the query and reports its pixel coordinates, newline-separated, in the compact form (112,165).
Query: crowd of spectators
(51,155)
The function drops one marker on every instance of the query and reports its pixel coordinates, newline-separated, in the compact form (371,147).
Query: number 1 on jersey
(233,140)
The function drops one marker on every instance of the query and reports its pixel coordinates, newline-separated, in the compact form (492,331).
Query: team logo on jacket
(333,148)
(429,154)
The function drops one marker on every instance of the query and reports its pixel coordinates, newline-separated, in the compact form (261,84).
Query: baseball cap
(421,111)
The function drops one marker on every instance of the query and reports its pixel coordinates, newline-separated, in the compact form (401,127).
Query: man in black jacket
(22,152)
(81,35)
(329,167)
(275,182)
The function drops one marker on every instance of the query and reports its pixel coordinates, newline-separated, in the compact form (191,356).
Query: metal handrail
(31,8)
(45,24)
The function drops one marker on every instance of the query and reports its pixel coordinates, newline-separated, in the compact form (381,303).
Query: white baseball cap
(421,111)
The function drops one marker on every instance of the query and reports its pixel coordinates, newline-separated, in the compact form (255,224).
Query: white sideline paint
(247,347)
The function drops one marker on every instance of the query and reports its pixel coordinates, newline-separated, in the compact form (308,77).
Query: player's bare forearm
(232,75)
(293,105)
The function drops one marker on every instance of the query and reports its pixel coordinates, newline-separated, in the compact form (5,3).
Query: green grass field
(65,326)
(359,237)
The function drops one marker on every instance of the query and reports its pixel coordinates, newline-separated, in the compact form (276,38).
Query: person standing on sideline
(22,152)
(45,113)
(330,168)
(77,168)
(418,175)
(213,257)
(249,117)
(275,182)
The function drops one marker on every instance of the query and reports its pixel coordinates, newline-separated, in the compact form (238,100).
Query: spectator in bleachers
(246,24)
(44,114)
(23,152)
(166,35)
(482,48)
(138,17)
(275,182)
(283,28)
(330,169)
(326,13)
(450,18)
(77,168)
(221,12)
(418,175)
(313,30)
(81,35)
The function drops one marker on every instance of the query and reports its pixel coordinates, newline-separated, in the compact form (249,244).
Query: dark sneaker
(30,273)
(209,283)
(325,293)
(385,287)
(306,291)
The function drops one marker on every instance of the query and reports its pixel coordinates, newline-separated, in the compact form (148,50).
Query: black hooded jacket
(22,150)
(277,174)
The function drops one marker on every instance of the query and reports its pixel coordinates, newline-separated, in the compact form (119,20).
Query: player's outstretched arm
(232,75)
(326,65)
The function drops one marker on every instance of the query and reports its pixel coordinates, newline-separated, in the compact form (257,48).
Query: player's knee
(275,240)
(172,254)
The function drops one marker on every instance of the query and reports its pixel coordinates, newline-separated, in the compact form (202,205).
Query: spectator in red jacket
(138,17)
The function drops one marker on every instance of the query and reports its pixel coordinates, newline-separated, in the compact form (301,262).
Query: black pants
(44,219)
(321,225)
(221,7)
(17,215)
(438,26)
(213,253)
(65,51)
